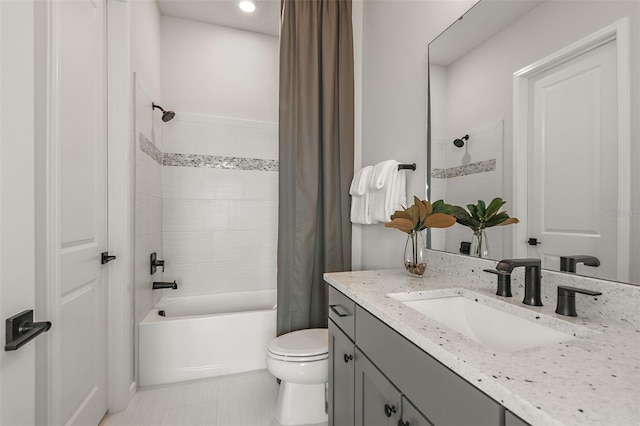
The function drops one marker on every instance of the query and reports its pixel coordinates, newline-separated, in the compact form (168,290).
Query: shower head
(460,142)
(166,115)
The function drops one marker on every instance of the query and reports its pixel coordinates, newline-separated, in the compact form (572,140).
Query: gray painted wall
(395,35)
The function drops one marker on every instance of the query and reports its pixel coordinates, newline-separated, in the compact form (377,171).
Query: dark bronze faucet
(532,277)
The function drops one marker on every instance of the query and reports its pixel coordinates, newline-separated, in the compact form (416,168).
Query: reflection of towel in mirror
(388,186)
(360,196)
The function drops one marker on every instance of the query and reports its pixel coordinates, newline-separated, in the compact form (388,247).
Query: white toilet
(300,360)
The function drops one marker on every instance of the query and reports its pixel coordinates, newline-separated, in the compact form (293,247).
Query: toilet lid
(301,343)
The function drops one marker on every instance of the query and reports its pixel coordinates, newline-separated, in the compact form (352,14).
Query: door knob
(534,242)
(105,258)
(21,329)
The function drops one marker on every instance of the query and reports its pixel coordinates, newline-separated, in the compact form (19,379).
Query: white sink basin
(470,314)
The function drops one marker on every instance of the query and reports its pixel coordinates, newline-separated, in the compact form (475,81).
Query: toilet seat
(301,346)
(287,358)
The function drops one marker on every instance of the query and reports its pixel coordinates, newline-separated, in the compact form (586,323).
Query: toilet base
(301,404)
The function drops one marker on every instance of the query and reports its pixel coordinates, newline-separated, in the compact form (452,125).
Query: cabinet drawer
(443,396)
(342,312)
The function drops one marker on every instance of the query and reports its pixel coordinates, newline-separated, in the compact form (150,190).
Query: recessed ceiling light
(247,6)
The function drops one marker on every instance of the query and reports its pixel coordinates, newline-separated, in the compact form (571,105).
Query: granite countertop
(591,380)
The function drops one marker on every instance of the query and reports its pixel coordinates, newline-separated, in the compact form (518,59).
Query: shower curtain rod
(407,166)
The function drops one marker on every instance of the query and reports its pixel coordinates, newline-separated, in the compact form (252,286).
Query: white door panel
(76,205)
(573,161)
(79,99)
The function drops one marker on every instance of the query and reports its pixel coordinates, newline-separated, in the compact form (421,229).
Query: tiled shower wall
(219,215)
(148,216)
(470,173)
(463,175)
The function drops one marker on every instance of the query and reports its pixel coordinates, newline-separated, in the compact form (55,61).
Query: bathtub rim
(153,315)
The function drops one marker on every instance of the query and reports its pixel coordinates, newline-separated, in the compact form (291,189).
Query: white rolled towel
(397,195)
(383,183)
(381,173)
(360,194)
(360,181)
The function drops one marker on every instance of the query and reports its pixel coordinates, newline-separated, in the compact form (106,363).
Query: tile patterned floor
(246,399)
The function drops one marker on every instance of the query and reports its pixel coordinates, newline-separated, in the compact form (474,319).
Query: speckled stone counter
(592,380)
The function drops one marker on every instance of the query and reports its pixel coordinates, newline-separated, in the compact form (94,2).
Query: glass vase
(479,244)
(415,254)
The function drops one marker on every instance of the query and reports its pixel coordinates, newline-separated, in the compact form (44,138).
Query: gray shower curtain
(316,156)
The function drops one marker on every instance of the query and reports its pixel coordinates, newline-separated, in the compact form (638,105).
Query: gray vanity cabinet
(377,400)
(378,377)
(443,396)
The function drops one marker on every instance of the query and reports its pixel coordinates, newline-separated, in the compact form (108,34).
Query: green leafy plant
(480,216)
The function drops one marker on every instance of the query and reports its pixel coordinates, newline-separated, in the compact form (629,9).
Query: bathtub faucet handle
(157,285)
(155,263)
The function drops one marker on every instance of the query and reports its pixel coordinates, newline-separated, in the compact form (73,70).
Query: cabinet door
(377,400)
(341,377)
(411,416)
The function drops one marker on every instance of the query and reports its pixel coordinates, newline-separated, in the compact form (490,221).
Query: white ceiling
(265,19)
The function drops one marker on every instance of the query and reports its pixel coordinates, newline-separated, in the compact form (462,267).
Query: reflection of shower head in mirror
(460,142)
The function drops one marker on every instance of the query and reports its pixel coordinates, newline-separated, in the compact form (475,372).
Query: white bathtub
(206,335)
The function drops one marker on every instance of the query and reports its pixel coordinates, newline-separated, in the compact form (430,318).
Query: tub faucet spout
(532,277)
(157,285)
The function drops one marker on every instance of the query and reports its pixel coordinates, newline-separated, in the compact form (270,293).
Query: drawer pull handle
(337,308)
(389,410)
(348,358)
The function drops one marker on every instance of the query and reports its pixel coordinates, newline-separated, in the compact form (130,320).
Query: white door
(78,196)
(17,251)
(573,158)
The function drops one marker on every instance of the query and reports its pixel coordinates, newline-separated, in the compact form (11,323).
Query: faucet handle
(154,263)
(568,263)
(567,299)
(504,282)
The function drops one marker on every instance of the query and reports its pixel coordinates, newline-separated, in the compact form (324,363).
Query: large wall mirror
(533,102)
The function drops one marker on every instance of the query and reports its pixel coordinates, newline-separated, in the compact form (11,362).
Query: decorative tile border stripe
(466,170)
(150,149)
(209,161)
(216,162)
